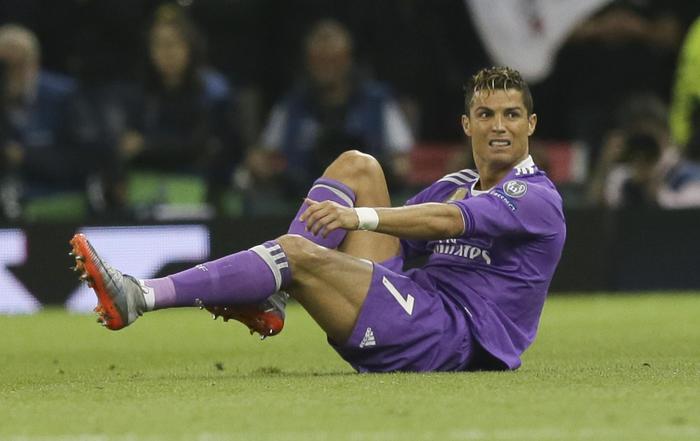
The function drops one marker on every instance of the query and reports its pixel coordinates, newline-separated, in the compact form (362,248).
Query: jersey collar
(527,162)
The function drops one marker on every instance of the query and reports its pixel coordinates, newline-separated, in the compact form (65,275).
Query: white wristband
(368,218)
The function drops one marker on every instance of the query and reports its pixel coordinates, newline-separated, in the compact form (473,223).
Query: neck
(490,174)
(489,178)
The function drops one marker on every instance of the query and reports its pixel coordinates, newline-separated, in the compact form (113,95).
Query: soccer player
(493,239)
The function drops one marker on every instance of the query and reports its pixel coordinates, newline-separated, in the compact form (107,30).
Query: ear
(532,123)
(466,126)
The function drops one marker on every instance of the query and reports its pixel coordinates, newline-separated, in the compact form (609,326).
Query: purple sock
(324,189)
(245,277)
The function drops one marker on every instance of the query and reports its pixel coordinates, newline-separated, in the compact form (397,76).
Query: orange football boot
(120,299)
(267,318)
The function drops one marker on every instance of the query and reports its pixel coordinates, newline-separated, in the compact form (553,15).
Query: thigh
(330,285)
(404,326)
(369,245)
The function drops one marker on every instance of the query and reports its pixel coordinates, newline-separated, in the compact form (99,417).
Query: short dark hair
(492,78)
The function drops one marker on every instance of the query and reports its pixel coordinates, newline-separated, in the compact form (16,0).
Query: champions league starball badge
(515,188)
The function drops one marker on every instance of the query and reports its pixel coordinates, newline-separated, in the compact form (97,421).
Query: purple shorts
(406,324)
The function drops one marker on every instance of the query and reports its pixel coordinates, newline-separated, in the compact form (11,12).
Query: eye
(483,113)
(512,114)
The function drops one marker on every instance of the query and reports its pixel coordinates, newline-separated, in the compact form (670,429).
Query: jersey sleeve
(498,214)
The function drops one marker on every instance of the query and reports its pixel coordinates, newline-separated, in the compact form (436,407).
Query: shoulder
(536,183)
(461,177)
(531,202)
(452,186)
(533,192)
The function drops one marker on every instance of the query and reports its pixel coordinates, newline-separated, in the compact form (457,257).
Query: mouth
(500,143)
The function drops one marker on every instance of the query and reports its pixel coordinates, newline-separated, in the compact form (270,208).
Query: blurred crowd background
(146,109)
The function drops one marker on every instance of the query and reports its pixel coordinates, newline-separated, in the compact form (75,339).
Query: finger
(317,212)
(318,224)
(312,215)
(322,222)
(313,224)
(331,227)
(312,205)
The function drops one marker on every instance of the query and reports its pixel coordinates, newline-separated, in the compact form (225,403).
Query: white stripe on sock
(337,192)
(265,255)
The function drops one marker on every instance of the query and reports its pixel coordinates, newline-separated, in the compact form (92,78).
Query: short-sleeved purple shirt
(500,269)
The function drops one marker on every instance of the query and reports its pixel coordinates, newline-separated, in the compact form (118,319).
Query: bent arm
(422,221)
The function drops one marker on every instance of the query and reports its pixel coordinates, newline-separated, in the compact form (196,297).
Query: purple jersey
(500,269)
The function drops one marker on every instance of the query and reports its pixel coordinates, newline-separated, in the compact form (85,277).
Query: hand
(324,217)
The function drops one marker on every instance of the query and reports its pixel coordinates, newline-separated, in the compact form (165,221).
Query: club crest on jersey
(515,188)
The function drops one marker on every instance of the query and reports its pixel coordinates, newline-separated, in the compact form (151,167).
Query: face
(170,53)
(499,127)
(329,61)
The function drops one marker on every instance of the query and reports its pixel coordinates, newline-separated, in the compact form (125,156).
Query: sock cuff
(164,286)
(274,257)
(342,191)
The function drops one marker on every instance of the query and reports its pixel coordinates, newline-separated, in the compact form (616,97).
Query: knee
(301,252)
(353,165)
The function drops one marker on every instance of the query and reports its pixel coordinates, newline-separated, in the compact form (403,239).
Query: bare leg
(364,175)
(332,285)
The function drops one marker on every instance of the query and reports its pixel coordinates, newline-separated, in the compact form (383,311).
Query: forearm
(423,221)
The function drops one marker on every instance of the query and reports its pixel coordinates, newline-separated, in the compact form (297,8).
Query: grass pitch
(603,368)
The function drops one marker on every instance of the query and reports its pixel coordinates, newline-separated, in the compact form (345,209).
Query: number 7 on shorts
(407,303)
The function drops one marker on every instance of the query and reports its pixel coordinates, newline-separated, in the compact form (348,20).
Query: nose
(498,124)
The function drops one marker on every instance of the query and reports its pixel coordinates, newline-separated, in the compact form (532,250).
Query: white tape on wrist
(368,218)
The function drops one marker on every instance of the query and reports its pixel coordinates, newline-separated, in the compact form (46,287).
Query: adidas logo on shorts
(368,339)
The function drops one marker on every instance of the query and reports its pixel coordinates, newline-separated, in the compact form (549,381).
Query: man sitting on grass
(492,238)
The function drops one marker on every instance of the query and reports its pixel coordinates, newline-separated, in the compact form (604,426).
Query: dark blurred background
(584,60)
